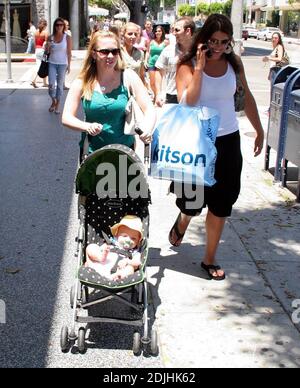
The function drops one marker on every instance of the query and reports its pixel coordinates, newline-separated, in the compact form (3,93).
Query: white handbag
(134,115)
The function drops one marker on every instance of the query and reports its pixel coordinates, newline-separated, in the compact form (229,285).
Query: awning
(96,11)
(121,15)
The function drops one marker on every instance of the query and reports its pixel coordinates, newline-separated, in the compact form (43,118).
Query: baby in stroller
(121,257)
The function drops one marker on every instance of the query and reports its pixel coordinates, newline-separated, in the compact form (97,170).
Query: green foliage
(202,8)
(227,8)
(216,8)
(107,4)
(186,10)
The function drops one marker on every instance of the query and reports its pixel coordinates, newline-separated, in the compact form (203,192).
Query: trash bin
(280,93)
(291,146)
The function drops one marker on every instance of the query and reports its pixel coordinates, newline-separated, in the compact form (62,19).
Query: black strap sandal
(179,235)
(215,268)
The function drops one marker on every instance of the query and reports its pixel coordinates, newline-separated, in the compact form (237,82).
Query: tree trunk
(237,21)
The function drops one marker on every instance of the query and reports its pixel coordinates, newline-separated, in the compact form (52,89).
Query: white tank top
(58,53)
(217,93)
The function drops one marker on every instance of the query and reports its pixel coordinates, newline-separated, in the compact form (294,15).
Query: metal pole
(8,41)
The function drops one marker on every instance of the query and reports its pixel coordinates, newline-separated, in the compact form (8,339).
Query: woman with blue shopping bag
(207,76)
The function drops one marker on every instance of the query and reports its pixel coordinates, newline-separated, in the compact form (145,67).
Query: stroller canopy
(113,171)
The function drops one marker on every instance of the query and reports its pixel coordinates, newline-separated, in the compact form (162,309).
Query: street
(245,321)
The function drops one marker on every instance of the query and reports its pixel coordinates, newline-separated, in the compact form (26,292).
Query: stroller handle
(139,132)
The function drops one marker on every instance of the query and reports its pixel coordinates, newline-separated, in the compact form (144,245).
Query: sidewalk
(244,321)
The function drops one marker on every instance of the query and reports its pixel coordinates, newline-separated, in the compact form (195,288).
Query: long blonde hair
(88,73)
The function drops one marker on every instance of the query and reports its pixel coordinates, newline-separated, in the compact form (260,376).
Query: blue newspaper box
(280,94)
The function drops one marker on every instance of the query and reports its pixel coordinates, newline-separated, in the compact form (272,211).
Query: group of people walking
(201,69)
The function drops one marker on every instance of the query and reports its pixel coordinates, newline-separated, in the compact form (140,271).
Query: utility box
(280,97)
(292,139)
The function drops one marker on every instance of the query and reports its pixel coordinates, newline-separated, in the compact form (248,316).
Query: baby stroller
(101,205)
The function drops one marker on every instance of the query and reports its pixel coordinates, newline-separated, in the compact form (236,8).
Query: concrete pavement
(244,321)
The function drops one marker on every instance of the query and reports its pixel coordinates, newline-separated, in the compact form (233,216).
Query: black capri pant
(219,198)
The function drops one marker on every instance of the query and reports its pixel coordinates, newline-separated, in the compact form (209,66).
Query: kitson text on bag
(171,156)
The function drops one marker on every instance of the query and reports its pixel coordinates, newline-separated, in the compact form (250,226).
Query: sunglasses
(215,42)
(59,24)
(106,52)
(132,33)
(177,29)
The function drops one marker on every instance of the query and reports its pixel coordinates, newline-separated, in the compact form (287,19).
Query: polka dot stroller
(111,183)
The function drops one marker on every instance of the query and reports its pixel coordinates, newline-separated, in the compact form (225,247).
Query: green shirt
(155,51)
(108,110)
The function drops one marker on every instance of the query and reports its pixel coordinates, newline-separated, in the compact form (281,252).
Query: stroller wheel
(81,340)
(64,339)
(154,343)
(136,348)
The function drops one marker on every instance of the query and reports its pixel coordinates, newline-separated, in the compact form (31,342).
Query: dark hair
(42,24)
(214,23)
(280,39)
(59,20)
(162,30)
(188,23)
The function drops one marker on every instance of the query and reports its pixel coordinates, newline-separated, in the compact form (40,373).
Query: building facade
(76,11)
(287,12)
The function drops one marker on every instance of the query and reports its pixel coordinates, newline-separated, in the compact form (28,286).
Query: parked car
(267,32)
(252,32)
(245,34)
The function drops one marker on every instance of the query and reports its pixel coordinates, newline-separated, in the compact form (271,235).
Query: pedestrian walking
(100,87)
(276,57)
(166,64)
(147,33)
(155,48)
(30,36)
(68,31)
(59,46)
(40,38)
(207,77)
(133,57)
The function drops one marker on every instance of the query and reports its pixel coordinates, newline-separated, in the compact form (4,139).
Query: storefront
(20,16)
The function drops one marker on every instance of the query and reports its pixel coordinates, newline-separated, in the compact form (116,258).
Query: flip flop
(178,234)
(215,268)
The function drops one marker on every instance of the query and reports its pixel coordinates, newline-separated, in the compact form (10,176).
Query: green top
(155,51)
(108,110)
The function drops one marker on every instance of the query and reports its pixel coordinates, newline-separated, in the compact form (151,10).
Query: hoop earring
(228,49)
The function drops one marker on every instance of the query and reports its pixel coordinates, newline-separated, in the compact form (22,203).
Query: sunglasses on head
(215,42)
(106,52)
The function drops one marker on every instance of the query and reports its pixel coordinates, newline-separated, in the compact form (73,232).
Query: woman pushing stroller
(104,97)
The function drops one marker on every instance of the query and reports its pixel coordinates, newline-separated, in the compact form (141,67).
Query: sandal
(178,234)
(210,267)
(33,84)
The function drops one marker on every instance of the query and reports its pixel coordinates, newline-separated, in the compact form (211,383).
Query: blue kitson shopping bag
(183,148)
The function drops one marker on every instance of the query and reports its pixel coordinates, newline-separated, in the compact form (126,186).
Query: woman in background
(40,38)
(59,46)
